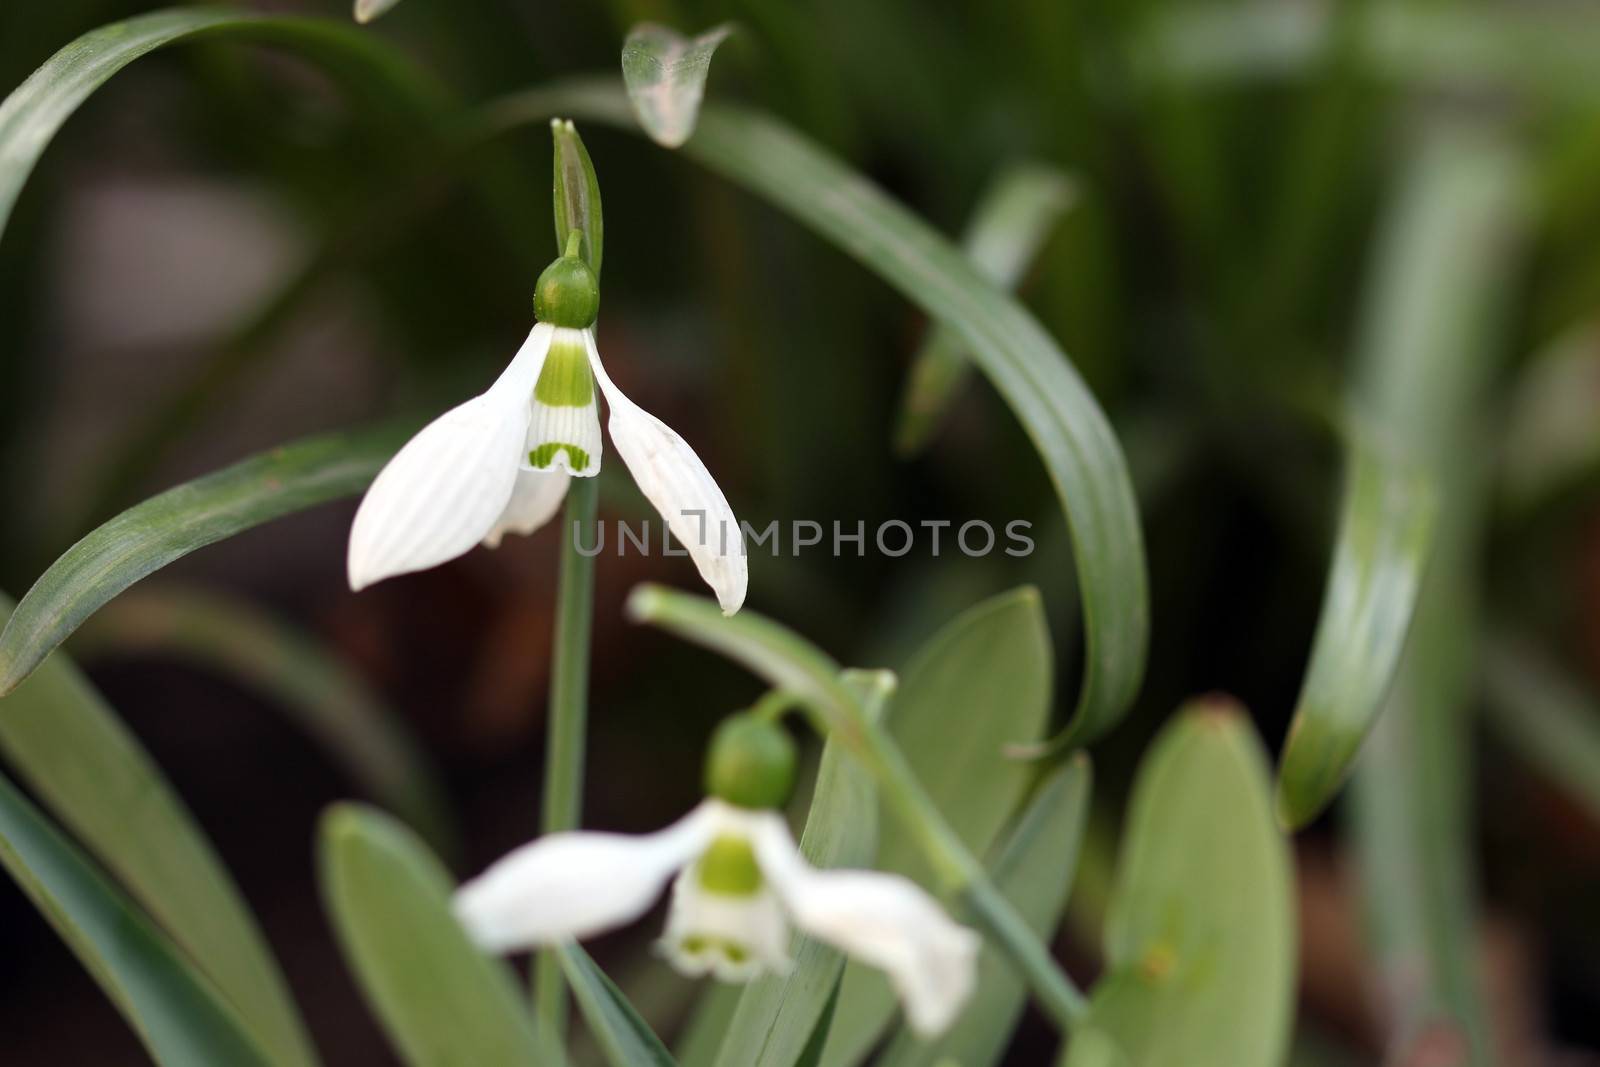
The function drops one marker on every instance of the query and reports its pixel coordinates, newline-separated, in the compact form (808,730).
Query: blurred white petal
(448,487)
(535,498)
(569,886)
(735,938)
(674,480)
(883,920)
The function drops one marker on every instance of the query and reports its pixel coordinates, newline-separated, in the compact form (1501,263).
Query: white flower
(501,462)
(740,883)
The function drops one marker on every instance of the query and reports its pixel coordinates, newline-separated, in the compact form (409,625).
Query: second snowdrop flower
(501,461)
(738,882)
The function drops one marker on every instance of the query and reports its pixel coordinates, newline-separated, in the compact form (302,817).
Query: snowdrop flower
(739,883)
(501,461)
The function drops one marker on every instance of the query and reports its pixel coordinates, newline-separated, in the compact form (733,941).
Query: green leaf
(777,1017)
(1544,713)
(80,760)
(328,700)
(36,109)
(441,1000)
(1385,534)
(624,1037)
(1033,866)
(1068,429)
(665,74)
(577,195)
(167,527)
(981,683)
(1200,938)
(181,1019)
(1012,221)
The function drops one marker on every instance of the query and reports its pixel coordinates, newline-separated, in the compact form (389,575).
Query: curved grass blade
(1012,221)
(168,526)
(1070,432)
(1545,715)
(624,1037)
(1200,937)
(329,701)
(181,1019)
(1443,276)
(665,74)
(1385,533)
(996,657)
(1033,866)
(441,1001)
(778,1017)
(36,109)
(81,761)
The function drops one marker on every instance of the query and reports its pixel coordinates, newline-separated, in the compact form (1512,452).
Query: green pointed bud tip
(750,763)
(567,294)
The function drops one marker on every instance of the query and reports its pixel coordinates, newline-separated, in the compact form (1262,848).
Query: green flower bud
(567,294)
(750,763)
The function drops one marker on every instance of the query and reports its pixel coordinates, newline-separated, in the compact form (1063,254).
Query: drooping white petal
(445,490)
(881,919)
(674,480)
(735,938)
(535,498)
(574,885)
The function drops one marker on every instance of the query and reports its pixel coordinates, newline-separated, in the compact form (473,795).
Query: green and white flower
(740,883)
(501,461)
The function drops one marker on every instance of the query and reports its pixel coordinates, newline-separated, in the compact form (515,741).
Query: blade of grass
(167,527)
(1069,430)
(1543,713)
(329,701)
(624,1037)
(178,1015)
(1426,352)
(80,760)
(1012,221)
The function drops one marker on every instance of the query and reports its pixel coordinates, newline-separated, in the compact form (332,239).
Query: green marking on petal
(544,456)
(728,868)
(565,381)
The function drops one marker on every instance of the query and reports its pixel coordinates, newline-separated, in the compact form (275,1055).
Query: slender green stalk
(568,715)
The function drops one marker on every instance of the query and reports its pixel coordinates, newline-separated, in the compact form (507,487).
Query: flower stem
(567,717)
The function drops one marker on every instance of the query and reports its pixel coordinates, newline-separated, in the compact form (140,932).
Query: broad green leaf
(577,195)
(665,74)
(32,114)
(441,1000)
(778,1016)
(328,700)
(1068,429)
(1200,938)
(1385,533)
(624,1037)
(1546,714)
(181,1018)
(1011,223)
(980,684)
(167,527)
(1432,322)
(1033,866)
(80,760)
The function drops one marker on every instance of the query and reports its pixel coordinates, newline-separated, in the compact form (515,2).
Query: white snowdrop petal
(564,420)
(535,499)
(734,938)
(569,886)
(445,490)
(883,920)
(678,485)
